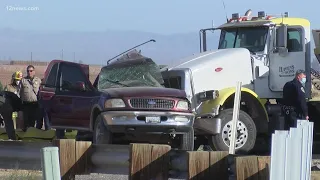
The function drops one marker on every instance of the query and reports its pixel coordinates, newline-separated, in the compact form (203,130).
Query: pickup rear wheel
(245,136)
(101,133)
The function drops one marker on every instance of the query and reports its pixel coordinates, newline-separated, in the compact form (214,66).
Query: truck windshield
(130,74)
(252,38)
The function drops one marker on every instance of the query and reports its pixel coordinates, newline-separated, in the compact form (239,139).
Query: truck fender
(248,95)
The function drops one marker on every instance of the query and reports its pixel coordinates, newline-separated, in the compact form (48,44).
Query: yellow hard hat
(17,75)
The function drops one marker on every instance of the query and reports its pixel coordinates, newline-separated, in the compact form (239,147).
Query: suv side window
(70,75)
(51,80)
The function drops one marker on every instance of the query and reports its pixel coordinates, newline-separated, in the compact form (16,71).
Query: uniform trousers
(6,110)
(31,114)
(291,118)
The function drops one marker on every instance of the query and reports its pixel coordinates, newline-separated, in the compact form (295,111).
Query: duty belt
(287,109)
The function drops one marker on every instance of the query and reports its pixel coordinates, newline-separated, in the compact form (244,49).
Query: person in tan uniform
(29,97)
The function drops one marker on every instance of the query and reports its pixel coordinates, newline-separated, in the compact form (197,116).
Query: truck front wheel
(245,136)
(101,133)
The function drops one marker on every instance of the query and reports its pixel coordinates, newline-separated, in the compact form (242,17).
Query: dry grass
(16,174)
(7,70)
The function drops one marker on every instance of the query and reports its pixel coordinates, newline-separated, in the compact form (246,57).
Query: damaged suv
(127,103)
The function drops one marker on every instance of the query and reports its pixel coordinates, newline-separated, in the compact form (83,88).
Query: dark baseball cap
(300,71)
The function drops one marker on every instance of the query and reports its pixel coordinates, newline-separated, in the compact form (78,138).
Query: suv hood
(144,91)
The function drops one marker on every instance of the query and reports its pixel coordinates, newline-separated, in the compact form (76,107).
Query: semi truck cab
(263,52)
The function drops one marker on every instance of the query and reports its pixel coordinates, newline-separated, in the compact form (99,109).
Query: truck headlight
(182,104)
(208,95)
(114,103)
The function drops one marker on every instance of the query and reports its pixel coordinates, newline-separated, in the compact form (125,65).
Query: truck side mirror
(282,40)
(282,36)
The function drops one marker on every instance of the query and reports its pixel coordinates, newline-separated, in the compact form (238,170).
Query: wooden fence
(152,161)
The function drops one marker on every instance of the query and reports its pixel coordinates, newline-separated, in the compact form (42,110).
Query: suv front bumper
(135,121)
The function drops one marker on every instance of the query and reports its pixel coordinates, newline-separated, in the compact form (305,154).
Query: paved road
(108,177)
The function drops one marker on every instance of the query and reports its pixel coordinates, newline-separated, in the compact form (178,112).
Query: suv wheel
(101,133)
(187,141)
(246,133)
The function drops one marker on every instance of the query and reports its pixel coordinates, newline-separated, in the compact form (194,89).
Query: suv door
(73,107)
(48,88)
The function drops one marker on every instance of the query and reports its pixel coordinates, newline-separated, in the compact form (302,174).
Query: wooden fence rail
(138,161)
(153,161)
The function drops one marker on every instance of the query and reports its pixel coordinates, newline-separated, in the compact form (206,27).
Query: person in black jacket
(9,103)
(294,100)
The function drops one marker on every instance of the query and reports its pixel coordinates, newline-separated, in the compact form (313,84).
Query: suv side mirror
(80,86)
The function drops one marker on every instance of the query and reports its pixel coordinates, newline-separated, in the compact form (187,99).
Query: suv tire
(187,141)
(101,134)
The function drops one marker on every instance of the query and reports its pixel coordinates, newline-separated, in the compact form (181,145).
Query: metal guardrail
(291,153)
(105,159)
(110,159)
(21,155)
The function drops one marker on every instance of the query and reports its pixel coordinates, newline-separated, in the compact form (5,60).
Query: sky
(181,19)
(163,17)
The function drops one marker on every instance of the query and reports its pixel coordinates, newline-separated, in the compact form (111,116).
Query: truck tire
(101,134)
(246,137)
(315,83)
(187,141)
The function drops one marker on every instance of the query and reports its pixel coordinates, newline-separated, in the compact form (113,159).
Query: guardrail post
(67,157)
(206,165)
(50,163)
(235,117)
(149,161)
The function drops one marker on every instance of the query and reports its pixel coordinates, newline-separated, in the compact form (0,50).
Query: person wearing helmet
(15,86)
(10,102)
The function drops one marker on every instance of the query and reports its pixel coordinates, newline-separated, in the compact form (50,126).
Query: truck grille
(150,103)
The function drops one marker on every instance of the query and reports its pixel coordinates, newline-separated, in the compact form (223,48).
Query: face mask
(17,82)
(303,80)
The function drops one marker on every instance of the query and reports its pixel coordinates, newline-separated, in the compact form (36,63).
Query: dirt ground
(12,174)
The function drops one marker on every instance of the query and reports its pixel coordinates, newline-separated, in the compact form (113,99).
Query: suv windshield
(252,38)
(130,73)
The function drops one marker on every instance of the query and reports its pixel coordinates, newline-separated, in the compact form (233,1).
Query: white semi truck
(263,52)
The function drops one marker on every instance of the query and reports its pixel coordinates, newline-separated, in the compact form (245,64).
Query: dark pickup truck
(126,103)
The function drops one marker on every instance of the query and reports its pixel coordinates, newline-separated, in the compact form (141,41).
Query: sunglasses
(29,70)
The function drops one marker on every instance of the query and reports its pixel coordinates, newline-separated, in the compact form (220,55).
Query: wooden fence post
(50,163)
(205,165)
(264,163)
(67,157)
(83,158)
(149,161)
(252,167)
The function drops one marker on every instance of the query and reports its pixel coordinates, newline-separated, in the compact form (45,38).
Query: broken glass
(130,73)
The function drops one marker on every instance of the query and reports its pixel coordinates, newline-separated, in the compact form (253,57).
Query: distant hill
(95,47)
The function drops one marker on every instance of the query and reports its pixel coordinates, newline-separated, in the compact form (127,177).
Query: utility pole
(31,56)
